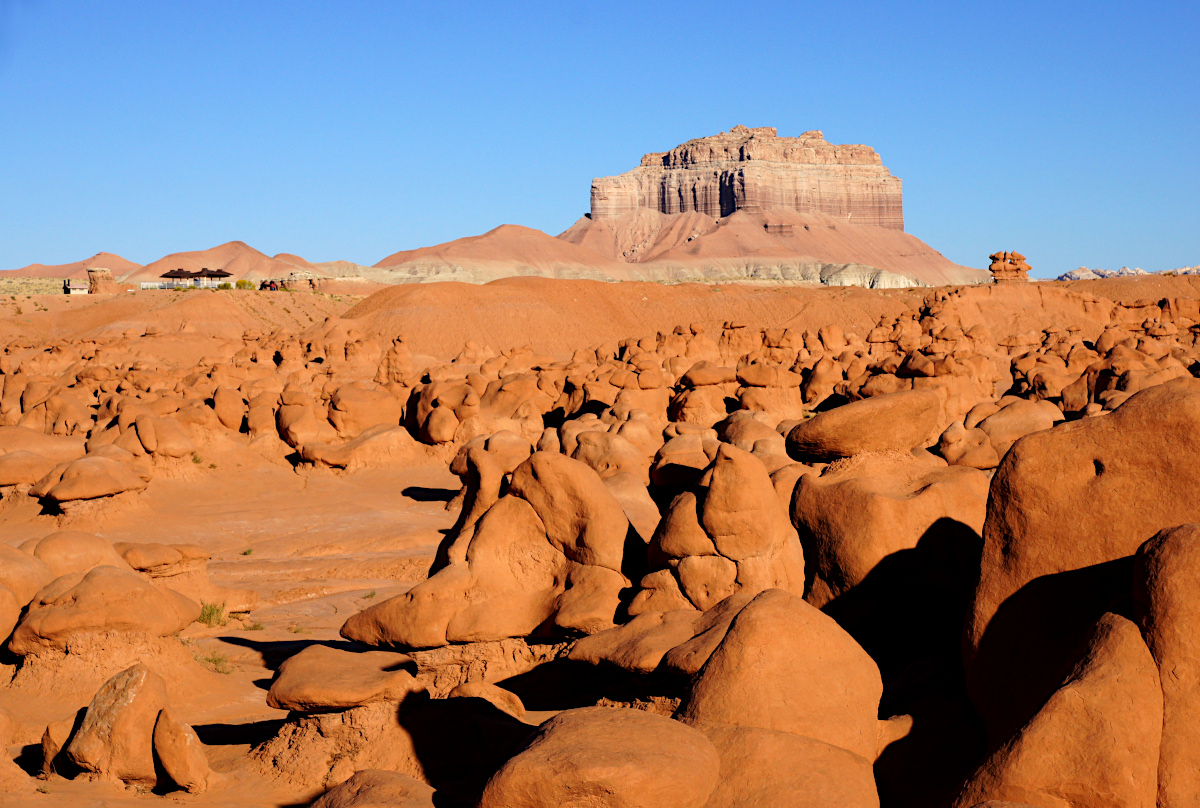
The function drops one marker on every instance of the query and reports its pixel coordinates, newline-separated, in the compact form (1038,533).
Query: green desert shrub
(213,614)
(214,661)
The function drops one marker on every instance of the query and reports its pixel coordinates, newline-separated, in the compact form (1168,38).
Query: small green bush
(225,285)
(253,627)
(244,284)
(214,661)
(213,614)
(369,595)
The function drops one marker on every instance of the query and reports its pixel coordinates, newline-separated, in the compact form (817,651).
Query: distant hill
(77,270)
(236,257)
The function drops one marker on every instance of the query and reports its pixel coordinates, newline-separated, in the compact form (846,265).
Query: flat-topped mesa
(753,169)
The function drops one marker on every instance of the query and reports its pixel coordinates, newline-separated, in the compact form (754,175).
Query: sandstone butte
(545,542)
(755,169)
(744,205)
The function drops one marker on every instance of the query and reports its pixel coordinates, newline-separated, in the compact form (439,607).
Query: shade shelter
(203,277)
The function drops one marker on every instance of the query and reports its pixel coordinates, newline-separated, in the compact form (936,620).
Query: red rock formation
(101,282)
(1009,267)
(753,169)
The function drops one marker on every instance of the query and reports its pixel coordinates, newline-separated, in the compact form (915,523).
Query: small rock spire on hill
(1009,267)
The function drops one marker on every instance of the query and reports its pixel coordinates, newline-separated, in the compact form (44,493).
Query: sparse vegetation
(215,661)
(212,465)
(248,551)
(299,630)
(197,459)
(213,614)
(244,284)
(225,285)
(256,626)
(369,595)
(27,286)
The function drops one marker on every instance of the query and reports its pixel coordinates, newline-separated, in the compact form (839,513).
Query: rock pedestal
(101,282)
(1009,267)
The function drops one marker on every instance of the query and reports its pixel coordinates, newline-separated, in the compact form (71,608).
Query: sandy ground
(317,546)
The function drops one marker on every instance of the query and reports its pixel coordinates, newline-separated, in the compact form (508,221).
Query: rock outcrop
(755,169)
(101,282)
(1009,267)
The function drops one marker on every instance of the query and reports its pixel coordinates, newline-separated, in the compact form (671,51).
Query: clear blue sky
(1069,131)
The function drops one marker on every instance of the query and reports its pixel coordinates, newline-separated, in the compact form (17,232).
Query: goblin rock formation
(755,169)
(935,550)
(1009,267)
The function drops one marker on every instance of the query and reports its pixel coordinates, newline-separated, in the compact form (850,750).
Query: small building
(75,287)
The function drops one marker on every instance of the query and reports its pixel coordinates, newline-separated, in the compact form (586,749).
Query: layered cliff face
(755,169)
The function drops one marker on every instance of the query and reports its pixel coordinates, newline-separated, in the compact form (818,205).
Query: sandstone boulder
(58,448)
(178,749)
(70,551)
(608,756)
(861,510)
(1068,508)
(354,409)
(1167,600)
(1095,742)
(116,739)
(761,767)
(106,599)
(375,446)
(896,421)
(324,678)
(23,468)
(730,534)
(551,553)
(783,665)
(375,788)
(23,573)
(88,478)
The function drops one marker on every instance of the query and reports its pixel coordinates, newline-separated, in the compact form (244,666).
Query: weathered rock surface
(1068,509)
(1095,742)
(376,788)
(116,738)
(323,678)
(761,767)
(861,510)
(180,752)
(1167,580)
(608,756)
(104,599)
(751,169)
(896,421)
(783,665)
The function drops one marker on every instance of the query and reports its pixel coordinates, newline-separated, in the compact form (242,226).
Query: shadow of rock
(423,494)
(908,614)
(461,743)
(1038,630)
(563,684)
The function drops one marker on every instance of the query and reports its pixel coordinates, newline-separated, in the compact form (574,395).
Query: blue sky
(350,130)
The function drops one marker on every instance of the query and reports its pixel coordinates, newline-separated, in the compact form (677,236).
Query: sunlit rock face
(755,169)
